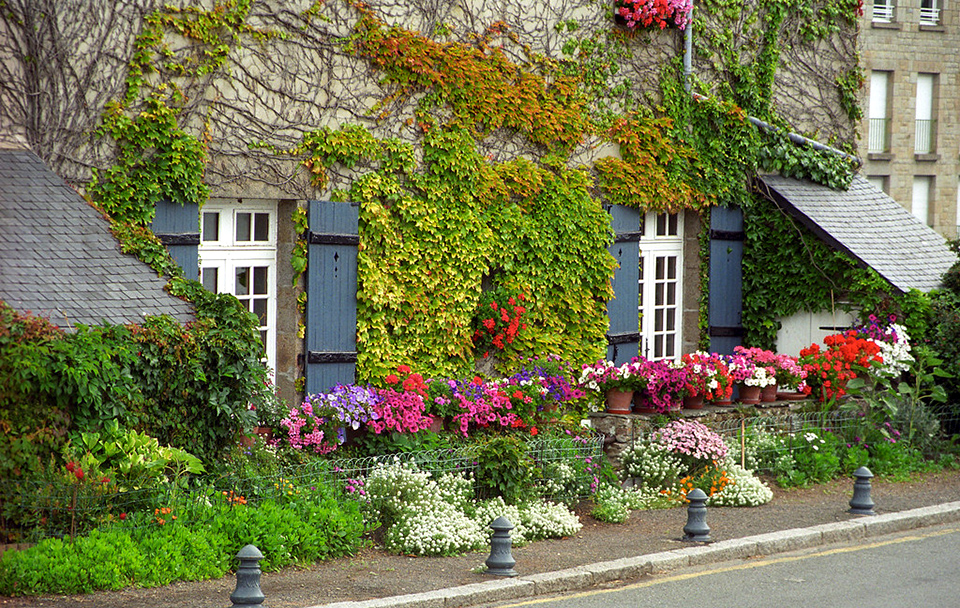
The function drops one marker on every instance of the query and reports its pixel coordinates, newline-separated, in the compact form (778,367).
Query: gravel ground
(373,573)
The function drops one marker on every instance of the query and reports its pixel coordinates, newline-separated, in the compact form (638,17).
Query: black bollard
(861,504)
(696,529)
(501,561)
(248,591)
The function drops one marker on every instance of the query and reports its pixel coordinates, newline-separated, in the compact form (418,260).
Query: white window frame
(227,255)
(877,134)
(929,12)
(924,134)
(883,11)
(663,341)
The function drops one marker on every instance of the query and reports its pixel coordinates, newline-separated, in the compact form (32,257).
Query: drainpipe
(801,140)
(794,137)
(688,51)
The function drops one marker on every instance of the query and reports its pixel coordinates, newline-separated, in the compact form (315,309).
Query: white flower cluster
(532,521)
(424,516)
(558,478)
(762,449)
(761,377)
(814,441)
(652,464)
(896,355)
(544,519)
(437,529)
(743,490)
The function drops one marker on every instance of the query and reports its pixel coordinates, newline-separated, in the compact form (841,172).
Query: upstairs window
(929,12)
(925,131)
(883,11)
(878,130)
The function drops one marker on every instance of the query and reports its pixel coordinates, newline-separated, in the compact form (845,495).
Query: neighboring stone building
(910,132)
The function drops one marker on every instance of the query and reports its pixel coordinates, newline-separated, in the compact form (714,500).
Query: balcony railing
(883,12)
(929,16)
(877,140)
(923,138)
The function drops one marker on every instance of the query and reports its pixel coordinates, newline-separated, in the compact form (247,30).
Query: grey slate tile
(65,256)
(870,226)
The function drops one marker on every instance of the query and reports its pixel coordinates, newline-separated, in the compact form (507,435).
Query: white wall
(803,329)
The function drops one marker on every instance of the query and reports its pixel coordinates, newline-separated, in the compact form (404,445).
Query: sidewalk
(628,569)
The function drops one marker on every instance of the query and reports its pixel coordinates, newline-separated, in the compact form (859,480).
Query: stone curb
(625,569)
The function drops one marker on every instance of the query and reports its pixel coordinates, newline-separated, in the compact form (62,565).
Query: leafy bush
(192,540)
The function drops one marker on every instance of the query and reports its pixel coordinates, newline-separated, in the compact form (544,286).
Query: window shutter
(726,280)
(623,336)
(331,284)
(178,227)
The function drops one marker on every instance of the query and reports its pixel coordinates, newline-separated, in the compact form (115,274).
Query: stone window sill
(880,156)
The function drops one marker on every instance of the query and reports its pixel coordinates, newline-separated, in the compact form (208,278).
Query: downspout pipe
(688,51)
(805,141)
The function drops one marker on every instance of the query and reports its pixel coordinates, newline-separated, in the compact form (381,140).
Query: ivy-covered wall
(481,139)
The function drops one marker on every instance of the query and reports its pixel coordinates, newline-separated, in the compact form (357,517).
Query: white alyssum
(744,489)
(651,464)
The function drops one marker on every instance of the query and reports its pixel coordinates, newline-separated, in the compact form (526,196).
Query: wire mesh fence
(59,508)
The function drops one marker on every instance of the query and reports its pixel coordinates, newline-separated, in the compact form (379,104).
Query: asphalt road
(917,569)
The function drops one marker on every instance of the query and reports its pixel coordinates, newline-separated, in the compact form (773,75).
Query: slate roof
(59,259)
(868,225)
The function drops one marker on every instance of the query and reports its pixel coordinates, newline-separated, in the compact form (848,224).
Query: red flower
(79,473)
(403,369)
(391,379)
(533,430)
(123,516)
(71,465)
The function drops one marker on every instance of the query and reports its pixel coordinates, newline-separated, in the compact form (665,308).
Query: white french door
(661,271)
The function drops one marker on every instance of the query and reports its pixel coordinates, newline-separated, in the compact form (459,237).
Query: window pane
(260,280)
(243,282)
(208,276)
(671,294)
(658,295)
(671,320)
(673,224)
(658,319)
(261,227)
(260,309)
(658,346)
(672,268)
(661,224)
(243,227)
(211,227)
(660,273)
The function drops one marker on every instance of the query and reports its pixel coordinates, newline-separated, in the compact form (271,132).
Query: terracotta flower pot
(693,402)
(618,402)
(749,395)
(768,394)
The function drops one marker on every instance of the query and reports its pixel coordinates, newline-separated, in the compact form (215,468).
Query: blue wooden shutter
(726,286)
(178,227)
(623,337)
(331,284)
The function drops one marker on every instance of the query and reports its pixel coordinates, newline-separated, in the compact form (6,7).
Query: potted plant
(664,385)
(613,382)
(764,373)
(653,13)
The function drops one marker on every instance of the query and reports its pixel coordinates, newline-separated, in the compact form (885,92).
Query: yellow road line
(744,566)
